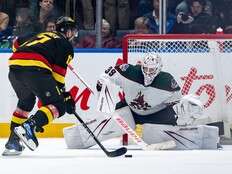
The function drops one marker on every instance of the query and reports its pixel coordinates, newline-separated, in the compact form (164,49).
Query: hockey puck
(128,156)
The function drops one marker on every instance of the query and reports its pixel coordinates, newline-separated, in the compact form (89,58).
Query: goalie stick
(80,78)
(115,153)
(132,134)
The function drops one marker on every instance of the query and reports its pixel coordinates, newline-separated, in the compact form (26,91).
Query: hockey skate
(14,146)
(26,133)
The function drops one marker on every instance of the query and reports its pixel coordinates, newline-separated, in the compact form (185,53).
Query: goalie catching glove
(188,110)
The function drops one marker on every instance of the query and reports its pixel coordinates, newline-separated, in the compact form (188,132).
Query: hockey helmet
(64,23)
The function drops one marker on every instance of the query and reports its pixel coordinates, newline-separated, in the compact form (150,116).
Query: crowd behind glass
(20,17)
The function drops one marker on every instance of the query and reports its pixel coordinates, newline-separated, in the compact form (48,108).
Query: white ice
(53,157)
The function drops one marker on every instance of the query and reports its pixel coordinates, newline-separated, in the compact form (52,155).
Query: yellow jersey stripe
(29,63)
(58,77)
(18,120)
(48,113)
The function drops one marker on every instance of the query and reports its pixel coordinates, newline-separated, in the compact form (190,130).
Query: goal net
(201,65)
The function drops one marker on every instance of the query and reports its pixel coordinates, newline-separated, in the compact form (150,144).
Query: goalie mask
(151,67)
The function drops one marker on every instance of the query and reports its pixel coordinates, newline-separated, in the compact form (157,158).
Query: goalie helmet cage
(201,64)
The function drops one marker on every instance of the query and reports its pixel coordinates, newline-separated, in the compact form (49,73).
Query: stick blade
(119,152)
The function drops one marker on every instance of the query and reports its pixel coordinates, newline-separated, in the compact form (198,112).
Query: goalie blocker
(185,137)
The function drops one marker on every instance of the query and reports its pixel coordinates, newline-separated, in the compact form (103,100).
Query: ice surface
(53,157)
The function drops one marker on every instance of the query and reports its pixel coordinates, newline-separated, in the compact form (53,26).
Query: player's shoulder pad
(166,81)
(127,69)
(132,72)
(23,38)
(123,67)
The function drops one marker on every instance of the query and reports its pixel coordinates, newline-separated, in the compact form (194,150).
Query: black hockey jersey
(48,50)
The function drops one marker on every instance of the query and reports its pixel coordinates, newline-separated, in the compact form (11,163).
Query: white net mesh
(174,46)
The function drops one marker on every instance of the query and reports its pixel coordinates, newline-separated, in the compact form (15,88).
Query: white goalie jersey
(143,100)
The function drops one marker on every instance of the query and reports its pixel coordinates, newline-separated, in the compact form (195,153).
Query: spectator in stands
(117,13)
(4,20)
(153,19)
(9,7)
(184,7)
(197,22)
(46,9)
(141,26)
(108,40)
(50,24)
(5,31)
(24,24)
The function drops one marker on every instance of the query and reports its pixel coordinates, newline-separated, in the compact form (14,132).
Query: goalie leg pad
(77,137)
(185,137)
(73,139)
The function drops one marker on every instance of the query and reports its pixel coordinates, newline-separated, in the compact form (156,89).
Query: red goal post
(201,63)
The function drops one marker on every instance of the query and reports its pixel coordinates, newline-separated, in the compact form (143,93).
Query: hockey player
(37,68)
(153,105)
(149,92)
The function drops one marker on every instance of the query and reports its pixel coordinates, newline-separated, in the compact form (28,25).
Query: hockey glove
(99,86)
(69,103)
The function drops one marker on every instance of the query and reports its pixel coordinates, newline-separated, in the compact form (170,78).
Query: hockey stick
(115,153)
(80,78)
(132,134)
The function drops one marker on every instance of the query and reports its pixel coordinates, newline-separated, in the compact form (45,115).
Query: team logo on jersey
(124,67)
(174,84)
(139,103)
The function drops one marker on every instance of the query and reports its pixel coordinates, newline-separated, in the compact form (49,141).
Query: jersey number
(41,38)
(110,71)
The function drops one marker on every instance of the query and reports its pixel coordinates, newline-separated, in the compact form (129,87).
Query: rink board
(212,82)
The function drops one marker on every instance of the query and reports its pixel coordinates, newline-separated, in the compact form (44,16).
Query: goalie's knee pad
(185,137)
